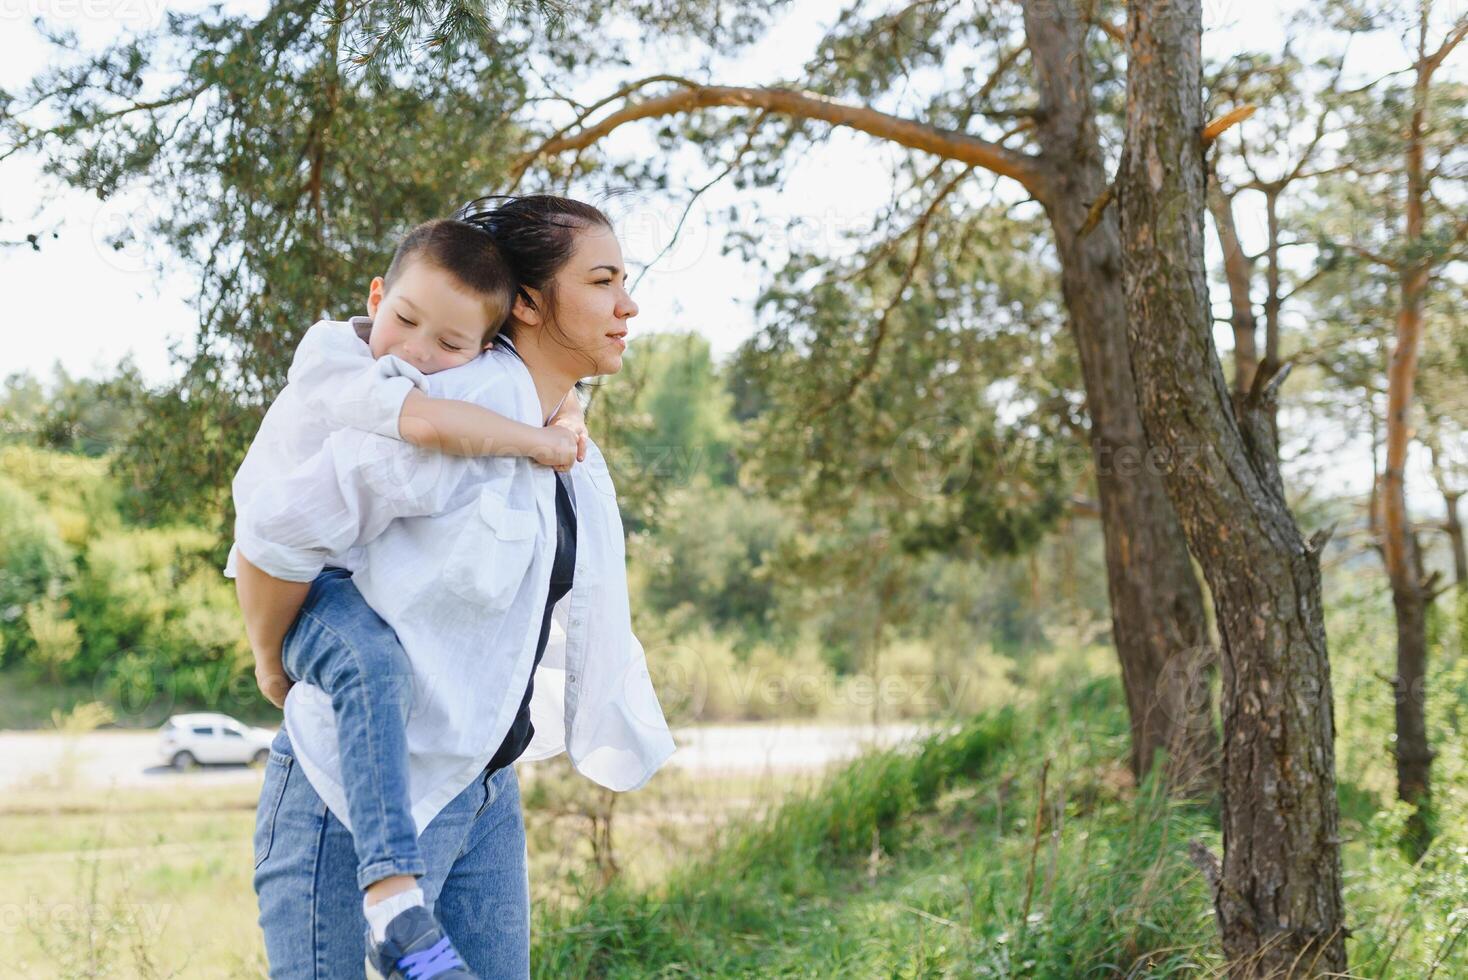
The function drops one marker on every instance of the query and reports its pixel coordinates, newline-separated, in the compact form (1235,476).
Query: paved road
(129,759)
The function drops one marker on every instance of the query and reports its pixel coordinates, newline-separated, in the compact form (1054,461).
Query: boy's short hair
(470,255)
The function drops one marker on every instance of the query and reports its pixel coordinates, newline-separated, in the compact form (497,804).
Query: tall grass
(1014,844)
(928,861)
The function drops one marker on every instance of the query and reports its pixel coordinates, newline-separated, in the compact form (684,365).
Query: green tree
(158,625)
(1392,226)
(971,437)
(689,407)
(89,416)
(21,404)
(79,496)
(284,179)
(34,563)
(55,639)
(712,560)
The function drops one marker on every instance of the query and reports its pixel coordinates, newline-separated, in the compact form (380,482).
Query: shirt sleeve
(340,382)
(343,496)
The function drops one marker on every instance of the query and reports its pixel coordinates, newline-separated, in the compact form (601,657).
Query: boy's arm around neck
(337,380)
(462,428)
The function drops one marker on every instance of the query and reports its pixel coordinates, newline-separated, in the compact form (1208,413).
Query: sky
(83,305)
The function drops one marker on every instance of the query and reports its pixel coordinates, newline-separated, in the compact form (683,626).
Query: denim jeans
(311,911)
(339,644)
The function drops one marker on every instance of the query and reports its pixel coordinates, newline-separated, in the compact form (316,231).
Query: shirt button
(572,678)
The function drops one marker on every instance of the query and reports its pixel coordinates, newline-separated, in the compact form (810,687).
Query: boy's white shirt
(455,555)
(333,383)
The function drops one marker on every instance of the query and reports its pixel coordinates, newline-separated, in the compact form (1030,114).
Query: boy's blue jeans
(342,646)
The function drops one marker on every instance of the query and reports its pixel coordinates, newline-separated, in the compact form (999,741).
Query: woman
(468,560)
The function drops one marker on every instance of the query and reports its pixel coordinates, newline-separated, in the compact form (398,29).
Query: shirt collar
(362,326)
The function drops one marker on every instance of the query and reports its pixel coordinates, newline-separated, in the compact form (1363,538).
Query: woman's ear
(527,311)
(375,292)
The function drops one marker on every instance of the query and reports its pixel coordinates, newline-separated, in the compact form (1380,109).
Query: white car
(189,740)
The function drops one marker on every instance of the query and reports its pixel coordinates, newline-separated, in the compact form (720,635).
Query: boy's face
(427,318)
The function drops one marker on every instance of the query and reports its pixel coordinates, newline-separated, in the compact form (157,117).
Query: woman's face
(592,306)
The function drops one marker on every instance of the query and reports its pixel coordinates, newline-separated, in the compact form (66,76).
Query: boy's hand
(557,448)
(274,685)
(570,418)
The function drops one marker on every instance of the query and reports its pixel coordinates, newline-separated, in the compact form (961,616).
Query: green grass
(150,883)
(942,860)
(931,865)
(130,884)
(919,864)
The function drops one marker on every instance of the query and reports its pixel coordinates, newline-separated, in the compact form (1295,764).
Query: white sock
(383,912)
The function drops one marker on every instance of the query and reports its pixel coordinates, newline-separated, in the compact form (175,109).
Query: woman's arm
(269,606)
(462,428)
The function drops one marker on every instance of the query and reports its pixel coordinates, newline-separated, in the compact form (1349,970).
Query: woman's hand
(269,606)
(275,685)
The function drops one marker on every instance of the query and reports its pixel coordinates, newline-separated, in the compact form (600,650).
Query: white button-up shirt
(455,555)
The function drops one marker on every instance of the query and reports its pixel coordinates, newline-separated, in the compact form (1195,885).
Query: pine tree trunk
(1157,617)
(1278,896)
(1414,754)
(1398,547)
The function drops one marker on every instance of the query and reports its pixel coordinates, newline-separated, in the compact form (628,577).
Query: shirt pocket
(492,552)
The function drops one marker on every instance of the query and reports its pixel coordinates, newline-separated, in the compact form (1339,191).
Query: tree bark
(1157,618)
(1278,897)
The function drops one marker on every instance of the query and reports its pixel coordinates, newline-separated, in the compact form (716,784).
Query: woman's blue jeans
(311,910)
(310,870)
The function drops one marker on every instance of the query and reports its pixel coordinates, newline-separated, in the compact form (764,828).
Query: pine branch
(691,96)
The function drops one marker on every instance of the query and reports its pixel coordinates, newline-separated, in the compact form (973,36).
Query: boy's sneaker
(415,947)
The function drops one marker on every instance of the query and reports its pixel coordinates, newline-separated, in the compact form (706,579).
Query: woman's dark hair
(536,234)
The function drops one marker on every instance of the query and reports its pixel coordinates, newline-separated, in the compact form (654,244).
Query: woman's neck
(552,381)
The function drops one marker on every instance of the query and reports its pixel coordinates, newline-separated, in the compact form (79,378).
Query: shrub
(55,639)
(75,491)
(34,562)
(158,622)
